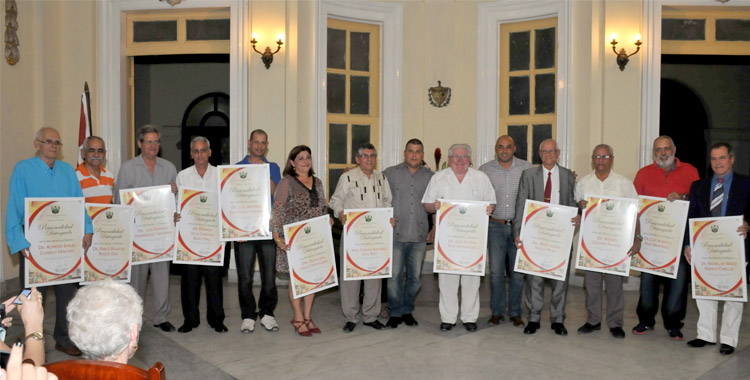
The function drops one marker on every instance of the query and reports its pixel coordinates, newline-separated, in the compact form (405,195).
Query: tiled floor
(424,352)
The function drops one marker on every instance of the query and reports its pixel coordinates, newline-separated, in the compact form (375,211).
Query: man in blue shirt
(44,176)
(244,257)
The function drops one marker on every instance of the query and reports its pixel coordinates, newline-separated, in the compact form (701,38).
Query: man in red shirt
(669,178)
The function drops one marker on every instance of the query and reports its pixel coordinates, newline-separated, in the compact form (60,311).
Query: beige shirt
(355,190)
(614,185)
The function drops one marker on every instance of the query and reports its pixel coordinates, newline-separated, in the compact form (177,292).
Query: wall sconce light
(267,55)
(622,56)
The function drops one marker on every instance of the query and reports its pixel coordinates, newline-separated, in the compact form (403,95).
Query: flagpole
(88,105)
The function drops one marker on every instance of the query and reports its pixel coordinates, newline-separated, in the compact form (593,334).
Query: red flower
(438,154)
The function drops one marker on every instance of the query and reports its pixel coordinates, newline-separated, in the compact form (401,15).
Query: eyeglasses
(151,142)
(461,157)
(365,155)
(665,149)
(51,142)
(599,157)
(100,150)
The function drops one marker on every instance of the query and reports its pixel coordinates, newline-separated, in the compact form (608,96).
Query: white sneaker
(248,325)
(269,322)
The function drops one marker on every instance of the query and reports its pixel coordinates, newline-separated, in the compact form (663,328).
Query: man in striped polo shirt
(96,182)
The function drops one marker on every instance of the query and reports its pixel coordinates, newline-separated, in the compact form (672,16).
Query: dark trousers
(63,294)
(190,293)
(244,257)
(673,303)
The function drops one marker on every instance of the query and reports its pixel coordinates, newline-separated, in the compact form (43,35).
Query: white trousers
(730,321)
(449,297)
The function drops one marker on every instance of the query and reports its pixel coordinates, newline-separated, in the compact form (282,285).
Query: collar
(44,164)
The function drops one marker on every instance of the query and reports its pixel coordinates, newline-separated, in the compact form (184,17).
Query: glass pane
(683,29)
(360,135)
(540,132)
(336,49)
(337,144)
(732,30)
(544,93)
(203,30)
(360,51)
(199,110)
(360,95)
(518,94)
(519,50)
(544,48)
(336,90)
(518,133)
(333,179)
(152,31)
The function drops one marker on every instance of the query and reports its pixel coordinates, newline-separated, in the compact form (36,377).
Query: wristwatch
(36,335)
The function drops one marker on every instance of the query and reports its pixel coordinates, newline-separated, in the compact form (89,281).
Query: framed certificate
(368,243)
(607,231)
(54,227)
(461,237)
(153,226)
(718,259)
(547,237)
(663,230)
(109,254)
(197,240)
(312,264)
(245,201)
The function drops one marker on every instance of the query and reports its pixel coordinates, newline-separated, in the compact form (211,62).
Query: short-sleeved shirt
(96,190)
(505,182)
(134,173)
(407,189)
(273,167)
(190,178)
(614,185)
(356,190)
(476,186)
(654,181)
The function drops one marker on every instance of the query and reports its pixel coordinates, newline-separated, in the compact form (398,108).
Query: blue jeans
(407,257)
(501,246)
(674,301)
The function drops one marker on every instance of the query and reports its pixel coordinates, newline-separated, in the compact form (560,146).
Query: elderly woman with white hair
(105,321)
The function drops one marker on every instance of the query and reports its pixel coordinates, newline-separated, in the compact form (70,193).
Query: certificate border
(693,272)
(220,182)
(675,263)
(388,266)
(292,275)
(87,263)
(565,263)
(482,260)
(164,256)
(178,242)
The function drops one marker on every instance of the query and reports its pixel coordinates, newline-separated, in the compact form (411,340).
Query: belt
(502,221)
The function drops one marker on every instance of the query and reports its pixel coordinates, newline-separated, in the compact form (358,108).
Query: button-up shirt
(134,173)
(614,185)
(33,178)
(96,190)
(727,184)
(656,182)
(407,189)
(190,178)
(474,187)
(505,182)
(356,190)
(555,179)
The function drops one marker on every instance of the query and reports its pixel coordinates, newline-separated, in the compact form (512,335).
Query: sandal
(315,329)
(297,325)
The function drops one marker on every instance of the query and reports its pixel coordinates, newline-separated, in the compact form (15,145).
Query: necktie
(717,198)
(548,188)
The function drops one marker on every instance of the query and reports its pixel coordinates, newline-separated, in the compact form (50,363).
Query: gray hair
(611,151)
(101,317)
(148,128)
(85,144)
(200,139)
(41,130)
(365,146)
(665,137)
(459,146)
(544,141)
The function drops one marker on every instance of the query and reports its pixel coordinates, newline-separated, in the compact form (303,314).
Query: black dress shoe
(377,325)
(393,322)
(589,328)
(409,320)
(470,327)
(187,327)
(220,328)
(531,328)
(349,327)
(165,326)
(559,329)
(726,349)
(699,343)
(446,326)
(617,332)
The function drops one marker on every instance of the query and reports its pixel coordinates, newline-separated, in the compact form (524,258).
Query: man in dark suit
(554,184)
(726,193)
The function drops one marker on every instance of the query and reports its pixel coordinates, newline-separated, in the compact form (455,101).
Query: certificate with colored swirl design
(718,259)
(54,227)
(663,230)
(109,254)
(245,201)
(368,243)
(153,226)
(547,237)
(312,264)
(198,239)
(461,237)
(607,232)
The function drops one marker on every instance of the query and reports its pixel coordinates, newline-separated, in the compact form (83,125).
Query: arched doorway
(684,118)
(207,116)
